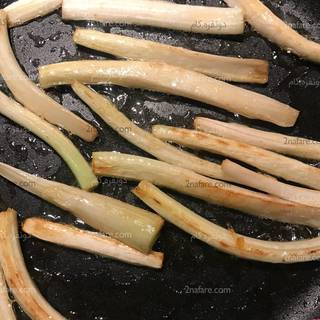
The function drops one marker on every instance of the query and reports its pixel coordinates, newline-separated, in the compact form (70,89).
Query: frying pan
(197,282)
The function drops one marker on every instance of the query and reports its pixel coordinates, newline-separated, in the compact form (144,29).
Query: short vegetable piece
(16,273)
(169,79)
(226,240)
(91,242)
(101,212)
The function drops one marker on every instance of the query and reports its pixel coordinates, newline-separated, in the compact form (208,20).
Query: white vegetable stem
(22,11)
(116,218)
(16,274)
(290,145)
(91,242)
(31,96)
(201,19)
(169,79)
(224,68)
(216,192)
(141,138)
(270,185)
(50,134)
(222,239)
(6,310)
(267,161)
(269,25)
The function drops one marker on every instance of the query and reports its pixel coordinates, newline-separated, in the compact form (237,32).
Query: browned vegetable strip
(267,161)
(169,79)
(16,273)
(216,192)
(224,68)
(6,310)
(92,242)
(226,240)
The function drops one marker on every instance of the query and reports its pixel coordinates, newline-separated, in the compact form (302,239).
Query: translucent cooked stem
(170,79)
(31,96)
(141,138)
(224,68)
(103,213)
(216,192)
(91,242)
(50,134)
(270,185)
(6,310)
(160,14)
(16,274)
(22,11)
(223,239)
(267,161)
(264,21)
(290,145)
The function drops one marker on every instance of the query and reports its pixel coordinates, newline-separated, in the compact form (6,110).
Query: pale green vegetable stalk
(141,138)
(32,97)
(267,161)
(16,274)
(222,239)
(103,213)
(162,77)
(6,310)
(221,193)
(290,145)
(92,242)
(224,68)
(22,11)
(270,185)
(54,137)
(162,14)
(264,21)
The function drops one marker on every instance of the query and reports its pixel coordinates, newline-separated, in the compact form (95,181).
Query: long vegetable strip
(6,310)
(269,25)
(171,80)
(160,14)
(141,138)
(277,142)
(16,273)
(50,134)
(224,68)
(271,185)
(103,213)
(223,239)
(213,191)
(267,161)
(91,242)
(23,11)
(31,96)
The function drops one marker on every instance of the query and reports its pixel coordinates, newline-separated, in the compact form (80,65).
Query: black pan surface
(197,282)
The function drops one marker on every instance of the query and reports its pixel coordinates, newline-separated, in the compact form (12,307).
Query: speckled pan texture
(197,282)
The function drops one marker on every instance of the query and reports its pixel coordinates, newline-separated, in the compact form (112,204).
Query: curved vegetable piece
(223,239)
(171,80)
(32,97)
(16,273)
(270,185)
(103,213)
(213,191)
(91,242)
(267,161)
(50,134)
(141,138)
(6,310)
(224,68)
(290,145)
(270,26)
(160,14)
(23,11)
